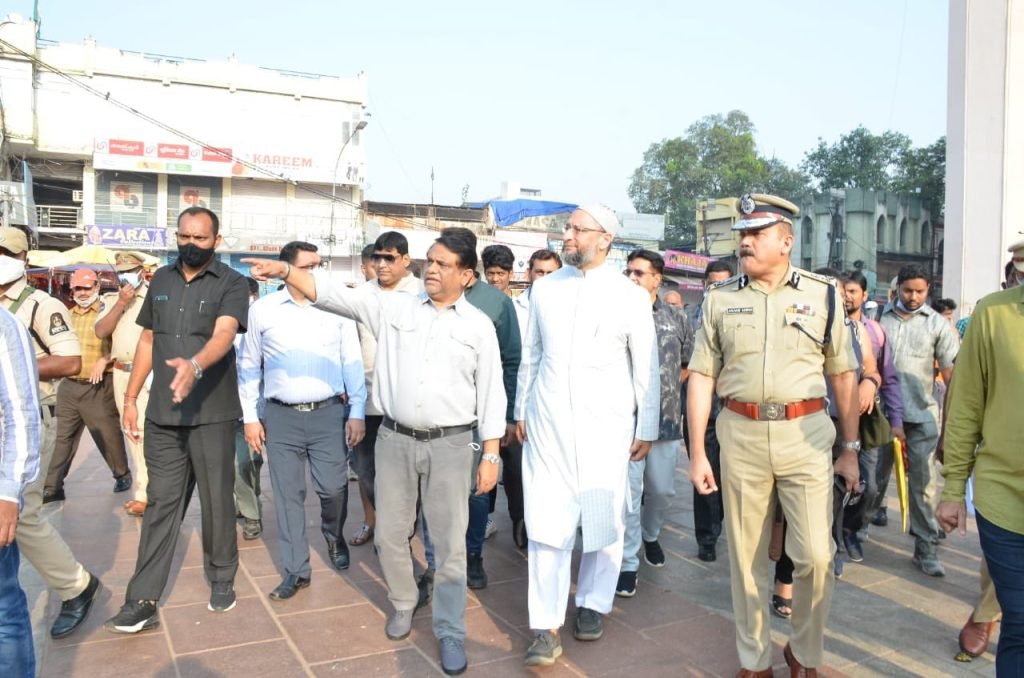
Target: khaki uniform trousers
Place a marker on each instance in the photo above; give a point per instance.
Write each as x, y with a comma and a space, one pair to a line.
790, 460
38, 541
140, 477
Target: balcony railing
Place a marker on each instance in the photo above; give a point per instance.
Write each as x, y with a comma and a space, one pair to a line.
51, 218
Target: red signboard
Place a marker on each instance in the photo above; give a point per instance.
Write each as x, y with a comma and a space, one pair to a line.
686, 261
176, 151
211, 154
121, 147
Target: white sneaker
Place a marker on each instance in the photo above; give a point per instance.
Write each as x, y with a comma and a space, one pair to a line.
490, 529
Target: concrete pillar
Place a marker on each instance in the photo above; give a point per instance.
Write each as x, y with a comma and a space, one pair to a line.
984, 145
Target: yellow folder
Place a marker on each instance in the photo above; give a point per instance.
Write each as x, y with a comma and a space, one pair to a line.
901, 484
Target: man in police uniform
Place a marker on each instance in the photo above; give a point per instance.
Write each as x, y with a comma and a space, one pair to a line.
767, 340
117, 321
58, 354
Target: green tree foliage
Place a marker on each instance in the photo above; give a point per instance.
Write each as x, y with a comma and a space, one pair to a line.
717, 157
924, 170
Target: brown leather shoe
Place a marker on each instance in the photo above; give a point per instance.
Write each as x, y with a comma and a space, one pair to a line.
747, 673
796, 669
974, 636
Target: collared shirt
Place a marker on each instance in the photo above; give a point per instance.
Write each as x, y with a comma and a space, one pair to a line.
983, 426
892, 396
498, 307
917, 342
182, 315
83, 322
674, 342
435, 367
769, 346
522, 304
19, 410
50, 326
302, 354
126, 334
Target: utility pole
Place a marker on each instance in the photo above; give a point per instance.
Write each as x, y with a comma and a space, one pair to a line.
431, 184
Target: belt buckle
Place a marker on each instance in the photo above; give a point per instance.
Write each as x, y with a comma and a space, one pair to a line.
771, 411
421, 434
304, 407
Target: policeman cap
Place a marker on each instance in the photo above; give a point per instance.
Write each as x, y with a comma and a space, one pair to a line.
126, 261
13, 239
758, 210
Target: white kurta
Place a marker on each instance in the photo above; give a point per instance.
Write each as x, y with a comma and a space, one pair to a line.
588, 384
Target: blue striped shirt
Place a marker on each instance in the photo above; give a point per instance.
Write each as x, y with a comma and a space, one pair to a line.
19, 409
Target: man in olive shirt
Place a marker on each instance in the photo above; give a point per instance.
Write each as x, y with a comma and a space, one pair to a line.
983, 434
768, 339
194, 308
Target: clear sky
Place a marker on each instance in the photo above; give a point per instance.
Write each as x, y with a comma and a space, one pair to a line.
562, 95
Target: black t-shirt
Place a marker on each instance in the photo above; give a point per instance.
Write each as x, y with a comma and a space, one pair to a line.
182, 316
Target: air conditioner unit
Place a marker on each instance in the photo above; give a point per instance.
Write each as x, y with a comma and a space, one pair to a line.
76, 196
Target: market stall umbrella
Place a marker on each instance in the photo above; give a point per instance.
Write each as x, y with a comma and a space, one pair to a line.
86, 254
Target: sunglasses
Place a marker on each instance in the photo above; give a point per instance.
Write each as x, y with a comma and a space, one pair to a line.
634, 273
389, 258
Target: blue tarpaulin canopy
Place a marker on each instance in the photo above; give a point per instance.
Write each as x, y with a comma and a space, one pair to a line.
508, 212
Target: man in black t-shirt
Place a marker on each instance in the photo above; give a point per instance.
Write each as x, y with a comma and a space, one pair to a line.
190, 317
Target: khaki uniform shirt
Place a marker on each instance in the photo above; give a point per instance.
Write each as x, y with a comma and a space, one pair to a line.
769, 347
48, 321
127, 332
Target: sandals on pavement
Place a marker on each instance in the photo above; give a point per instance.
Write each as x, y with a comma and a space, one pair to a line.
135, 507
782, 607
364, 535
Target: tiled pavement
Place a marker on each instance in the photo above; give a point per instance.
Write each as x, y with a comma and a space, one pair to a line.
887, 618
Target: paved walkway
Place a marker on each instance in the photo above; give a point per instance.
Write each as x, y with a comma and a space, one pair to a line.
887, 618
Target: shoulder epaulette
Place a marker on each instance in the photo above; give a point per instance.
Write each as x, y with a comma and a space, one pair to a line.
825, 279
739, 280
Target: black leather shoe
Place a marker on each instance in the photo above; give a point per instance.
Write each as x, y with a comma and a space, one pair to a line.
52, 495
73, 612
289, 587
706, 552
519, 534
124, 483
338, 554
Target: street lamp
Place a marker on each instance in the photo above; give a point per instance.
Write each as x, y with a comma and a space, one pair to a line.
334, 188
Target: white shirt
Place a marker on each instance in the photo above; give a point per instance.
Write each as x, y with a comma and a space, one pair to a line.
522, 305
434, 367
303, 354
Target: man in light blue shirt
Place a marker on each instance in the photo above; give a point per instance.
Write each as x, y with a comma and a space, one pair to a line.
311, 366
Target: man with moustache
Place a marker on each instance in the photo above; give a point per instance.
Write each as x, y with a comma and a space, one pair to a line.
920, 337
587, 405
542, 262
189, 319
768, 340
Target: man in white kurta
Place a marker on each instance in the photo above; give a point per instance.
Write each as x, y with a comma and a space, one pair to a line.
587, 403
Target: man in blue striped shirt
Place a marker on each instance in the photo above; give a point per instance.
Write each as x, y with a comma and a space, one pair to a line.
19, 465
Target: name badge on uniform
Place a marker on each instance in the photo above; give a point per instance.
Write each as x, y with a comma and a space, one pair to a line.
160, 297
801, 309
738, 310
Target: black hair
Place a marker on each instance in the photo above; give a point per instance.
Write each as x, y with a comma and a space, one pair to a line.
367, 253
290, 252
657, 263
911, 272
462, 243
498, 255
941, 305
718, 266
545, 255
195, 211
391, 240
857, 278
1008, 270
254, 287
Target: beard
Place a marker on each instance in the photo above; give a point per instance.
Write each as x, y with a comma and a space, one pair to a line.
580, 257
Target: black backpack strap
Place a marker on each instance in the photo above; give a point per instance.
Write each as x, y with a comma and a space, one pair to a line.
831, 316
32, 330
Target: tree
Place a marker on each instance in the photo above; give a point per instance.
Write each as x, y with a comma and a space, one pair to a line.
718, 157
923, 170
859, 159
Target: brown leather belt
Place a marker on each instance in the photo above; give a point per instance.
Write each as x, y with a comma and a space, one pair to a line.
124, 367
775, 411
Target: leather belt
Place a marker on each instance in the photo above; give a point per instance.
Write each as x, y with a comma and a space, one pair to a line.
307, 407
425, 434
775, 411
124, 367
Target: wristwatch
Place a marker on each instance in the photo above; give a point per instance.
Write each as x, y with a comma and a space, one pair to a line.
492, 458
852, 445
197, 368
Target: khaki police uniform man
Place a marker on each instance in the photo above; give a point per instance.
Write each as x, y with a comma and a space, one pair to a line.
58, 354
768, 338
117, 321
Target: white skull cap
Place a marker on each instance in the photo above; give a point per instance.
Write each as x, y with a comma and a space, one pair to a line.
603, 215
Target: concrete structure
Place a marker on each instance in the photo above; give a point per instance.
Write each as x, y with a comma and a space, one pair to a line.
265, 149
984, 144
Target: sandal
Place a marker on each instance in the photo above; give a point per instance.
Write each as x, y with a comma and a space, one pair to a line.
364, 535
782, 607
135, 507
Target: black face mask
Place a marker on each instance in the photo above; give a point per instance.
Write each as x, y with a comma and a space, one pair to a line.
194, 256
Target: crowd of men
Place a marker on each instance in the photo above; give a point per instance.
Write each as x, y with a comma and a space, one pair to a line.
787, 394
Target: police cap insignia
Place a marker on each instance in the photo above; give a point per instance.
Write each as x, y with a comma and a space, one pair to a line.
747, 204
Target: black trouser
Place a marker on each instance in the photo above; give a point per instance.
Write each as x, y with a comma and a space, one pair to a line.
293, 439
707, 508
82, 405
174, 455
512, 477
366, 457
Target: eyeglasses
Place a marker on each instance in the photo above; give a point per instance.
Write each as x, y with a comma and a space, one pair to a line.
576, 230
389, 258
634, 272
